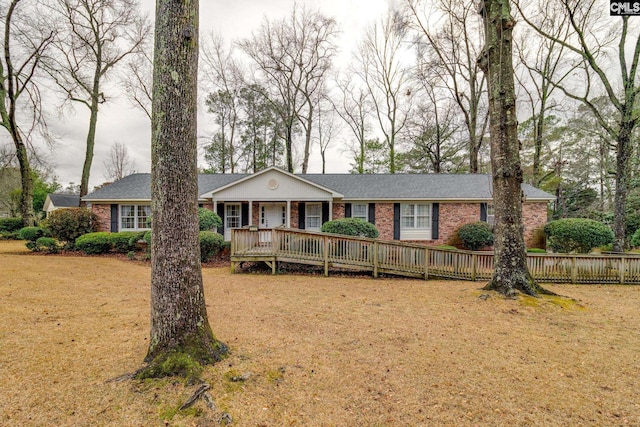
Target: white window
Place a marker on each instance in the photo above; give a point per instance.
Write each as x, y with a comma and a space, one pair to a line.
313, 216
134, 217
491, 215
232, 215
415, 221
360, 210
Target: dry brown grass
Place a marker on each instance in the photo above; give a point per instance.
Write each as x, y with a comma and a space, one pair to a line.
318, 351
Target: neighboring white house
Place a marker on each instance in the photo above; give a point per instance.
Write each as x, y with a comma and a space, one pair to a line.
60, 201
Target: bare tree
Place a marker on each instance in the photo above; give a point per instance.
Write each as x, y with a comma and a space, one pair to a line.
180, 328
24, 42
97, 36
386, 76
293, 57
510, 273
453, 44
119, 163
137, 80
600, 47
353, 108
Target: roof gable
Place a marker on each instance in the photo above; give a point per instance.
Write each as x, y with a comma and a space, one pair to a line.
272, 184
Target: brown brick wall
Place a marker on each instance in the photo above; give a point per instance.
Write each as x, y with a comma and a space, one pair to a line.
294, 214
384, 220
103, 212
534, 216
454, 215
338, 211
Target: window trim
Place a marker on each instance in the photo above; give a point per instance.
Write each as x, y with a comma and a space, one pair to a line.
227, 216
414, 232
366, 211
307, 216
136, 217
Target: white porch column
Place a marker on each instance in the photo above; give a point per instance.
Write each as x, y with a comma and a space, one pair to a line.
288, 221
215, 206
331, 210
250, 212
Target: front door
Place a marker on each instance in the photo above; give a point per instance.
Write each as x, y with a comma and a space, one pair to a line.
273, 215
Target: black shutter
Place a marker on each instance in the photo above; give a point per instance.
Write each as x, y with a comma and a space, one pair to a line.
435, 220
114, 218
396, 221
372, 213
347, 210
301, 215
483, 212
245, 214
220, 209
325, 212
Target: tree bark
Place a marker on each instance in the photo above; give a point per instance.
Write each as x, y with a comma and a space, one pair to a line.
180, 329
511, 273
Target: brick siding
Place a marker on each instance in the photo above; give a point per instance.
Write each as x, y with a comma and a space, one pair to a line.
103, 212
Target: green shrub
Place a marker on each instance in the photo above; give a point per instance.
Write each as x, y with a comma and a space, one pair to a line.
351, 227
31, 233
47, 244
147, 238
124, 241
10, 225
208, 220
476, 235
635, 239
577, 235
94, 243
68, 224
536, 251
9, 235
210, 244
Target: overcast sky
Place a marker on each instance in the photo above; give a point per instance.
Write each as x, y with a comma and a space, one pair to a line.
120, 122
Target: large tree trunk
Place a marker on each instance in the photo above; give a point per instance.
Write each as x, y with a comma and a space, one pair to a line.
91, 138
510, 267
26, 180
180, 329
623, 157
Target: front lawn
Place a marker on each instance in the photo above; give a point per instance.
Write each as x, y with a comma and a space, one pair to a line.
315, 351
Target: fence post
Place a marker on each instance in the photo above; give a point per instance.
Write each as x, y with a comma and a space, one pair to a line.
574, 270
474, 265
325, 242
426, 263
622, 268
375, 259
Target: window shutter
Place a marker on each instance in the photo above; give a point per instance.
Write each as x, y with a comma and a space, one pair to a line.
347, 210
325, 212
245, 214
301, 215
114, 218
220, 209
483, 212
396, 221
372, 213
435, 220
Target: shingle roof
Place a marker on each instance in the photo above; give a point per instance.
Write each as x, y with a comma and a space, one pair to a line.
352, 186
65, 200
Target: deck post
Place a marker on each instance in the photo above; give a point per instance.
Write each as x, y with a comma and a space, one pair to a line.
574, 270
325, 252
474, 266
621, 268
375, 259
426, 263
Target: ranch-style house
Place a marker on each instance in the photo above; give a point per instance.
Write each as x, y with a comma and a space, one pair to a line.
425, 208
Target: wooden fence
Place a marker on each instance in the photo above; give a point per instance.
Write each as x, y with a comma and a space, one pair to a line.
414, 260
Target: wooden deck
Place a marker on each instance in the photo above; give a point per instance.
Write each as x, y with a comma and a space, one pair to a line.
413, 260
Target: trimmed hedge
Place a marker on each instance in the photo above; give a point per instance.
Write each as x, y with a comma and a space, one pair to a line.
578, 235
94, 243
208, 220
68, 224
125, 241
351, 227
635, 239
476, 235
47, 244
32, 233
210, 244
10, 225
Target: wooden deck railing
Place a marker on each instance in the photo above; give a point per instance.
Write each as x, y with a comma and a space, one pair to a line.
407, 259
